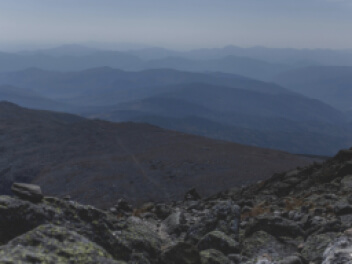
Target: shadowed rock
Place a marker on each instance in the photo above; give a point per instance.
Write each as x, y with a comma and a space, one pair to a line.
27, 191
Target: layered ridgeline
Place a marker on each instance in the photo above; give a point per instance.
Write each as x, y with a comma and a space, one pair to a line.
301, 216
217, 105
328, 84
98, 162
77, 58
257, 62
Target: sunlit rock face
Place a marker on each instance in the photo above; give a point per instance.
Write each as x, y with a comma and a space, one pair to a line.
340, 250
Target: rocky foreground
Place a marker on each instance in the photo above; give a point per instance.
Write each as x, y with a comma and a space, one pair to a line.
302, 216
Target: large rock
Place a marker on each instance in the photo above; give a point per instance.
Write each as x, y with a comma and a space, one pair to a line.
27, 191
213, 256
192, 195
224, 217
276, 226
346, 183
343, 209
174, 223
339, 250
315, 246
181, 253
261, 243
218, 240
53, 244
119, 238
346, 169
291, 260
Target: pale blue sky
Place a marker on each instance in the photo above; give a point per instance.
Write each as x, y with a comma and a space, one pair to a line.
181, 24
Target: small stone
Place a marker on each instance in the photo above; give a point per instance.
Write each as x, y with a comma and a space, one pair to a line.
67, 197
319, 211
123, 205
246, 209
348, 232
113, 210
27, 191
192, 195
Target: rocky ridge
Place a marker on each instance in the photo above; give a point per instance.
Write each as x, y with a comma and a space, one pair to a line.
301, 216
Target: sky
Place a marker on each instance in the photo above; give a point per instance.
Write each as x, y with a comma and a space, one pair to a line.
181, 24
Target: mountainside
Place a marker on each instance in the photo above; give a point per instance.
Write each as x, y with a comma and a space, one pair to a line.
300, 216
98, 162
305, 138
332, 85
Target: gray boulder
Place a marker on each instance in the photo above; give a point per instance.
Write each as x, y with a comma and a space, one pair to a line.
339, 250
213, 256
27, 191
180, 253
223, 216
174, 223
218, 240
53, 244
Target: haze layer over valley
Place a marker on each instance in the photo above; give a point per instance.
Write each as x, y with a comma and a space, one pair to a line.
288, 99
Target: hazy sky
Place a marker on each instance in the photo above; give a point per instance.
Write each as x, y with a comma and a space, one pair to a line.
182, 24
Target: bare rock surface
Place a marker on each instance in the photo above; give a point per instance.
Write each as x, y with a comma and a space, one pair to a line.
297, 217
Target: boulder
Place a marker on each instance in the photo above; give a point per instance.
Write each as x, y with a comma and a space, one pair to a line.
343, 209
53, 244
291, 260
275, 225
346, 169
223, 216
213, 256
27, 191
315, 246
123, 206
346, 183
344, 155
260, 243
138, 258
174, 223
119, 239
339, 250
162, 211
181, 253
218, 240
192, 195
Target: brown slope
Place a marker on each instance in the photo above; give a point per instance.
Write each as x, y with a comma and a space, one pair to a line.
98, 162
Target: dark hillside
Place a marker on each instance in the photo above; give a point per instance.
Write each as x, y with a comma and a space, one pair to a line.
98, 162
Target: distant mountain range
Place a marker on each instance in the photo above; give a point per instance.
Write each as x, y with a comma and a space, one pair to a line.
208, 86
98, 162
257, 62
233, 107
104, 86
332, 85
287, 56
